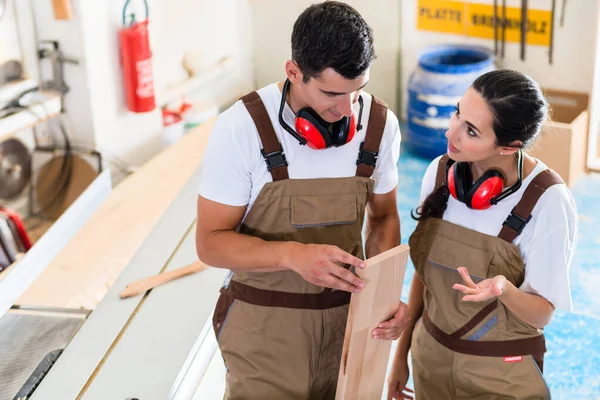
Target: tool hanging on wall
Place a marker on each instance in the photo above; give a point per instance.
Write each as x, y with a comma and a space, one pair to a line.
58, 60
10, 71
136, 60
523, 28
15, 168
495, 23
551, 45
503, 30
563, 10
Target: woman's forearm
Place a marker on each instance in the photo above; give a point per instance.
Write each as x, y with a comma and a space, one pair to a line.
533, 309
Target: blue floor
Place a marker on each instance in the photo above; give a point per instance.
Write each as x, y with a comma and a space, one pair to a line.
572, 363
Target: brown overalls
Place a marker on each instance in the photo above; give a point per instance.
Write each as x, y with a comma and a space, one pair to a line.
470, 350
280, 336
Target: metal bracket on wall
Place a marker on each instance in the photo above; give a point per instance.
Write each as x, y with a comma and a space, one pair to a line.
58, 60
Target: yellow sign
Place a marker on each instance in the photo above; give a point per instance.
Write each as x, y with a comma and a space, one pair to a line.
477, 20
442, 16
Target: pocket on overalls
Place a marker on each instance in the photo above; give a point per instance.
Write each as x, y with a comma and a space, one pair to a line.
323, 210
440, 272
514, 377
451, 254
222, 311
538, 363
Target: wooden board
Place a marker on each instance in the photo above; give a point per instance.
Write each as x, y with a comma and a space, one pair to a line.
364, 359
63, 9
81, 274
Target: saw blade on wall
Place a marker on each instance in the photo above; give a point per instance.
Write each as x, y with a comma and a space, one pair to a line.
15, 168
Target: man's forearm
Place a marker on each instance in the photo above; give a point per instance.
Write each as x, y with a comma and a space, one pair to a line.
382, 234
236, 251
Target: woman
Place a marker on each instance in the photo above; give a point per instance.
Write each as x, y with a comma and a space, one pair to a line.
492, 251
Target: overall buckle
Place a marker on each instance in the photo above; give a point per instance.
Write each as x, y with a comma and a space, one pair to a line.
275, 159
366, 156
516, 222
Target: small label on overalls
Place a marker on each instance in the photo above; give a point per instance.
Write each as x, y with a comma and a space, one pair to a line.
513, 359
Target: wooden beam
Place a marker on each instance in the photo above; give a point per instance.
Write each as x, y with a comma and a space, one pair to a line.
81, 274
364, 359
63, 9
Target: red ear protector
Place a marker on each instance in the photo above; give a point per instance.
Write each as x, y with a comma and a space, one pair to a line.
317, 133
486, 191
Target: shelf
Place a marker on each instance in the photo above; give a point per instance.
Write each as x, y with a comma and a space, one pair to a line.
204, 77
38, 112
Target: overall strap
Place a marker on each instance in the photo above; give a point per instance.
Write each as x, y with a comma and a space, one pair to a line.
369, 149
521, 214
272, 150
440, 178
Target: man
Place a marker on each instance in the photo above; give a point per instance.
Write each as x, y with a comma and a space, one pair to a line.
288, 173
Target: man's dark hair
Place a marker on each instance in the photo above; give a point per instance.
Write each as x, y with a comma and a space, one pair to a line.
332, 35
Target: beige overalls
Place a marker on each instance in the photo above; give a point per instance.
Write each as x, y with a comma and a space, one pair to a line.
280, 336
470, 350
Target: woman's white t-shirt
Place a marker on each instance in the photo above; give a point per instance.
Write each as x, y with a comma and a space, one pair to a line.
546, 243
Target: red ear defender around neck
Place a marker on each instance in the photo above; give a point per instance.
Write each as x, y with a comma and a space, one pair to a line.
484, 190
314, 131
321, 135
487, 191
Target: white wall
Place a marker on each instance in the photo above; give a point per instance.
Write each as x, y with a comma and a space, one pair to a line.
572, 67
96, 103
9, 43
273, 21
258, 34
71, 41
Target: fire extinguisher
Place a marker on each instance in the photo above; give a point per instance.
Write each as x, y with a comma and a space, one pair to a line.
136, 60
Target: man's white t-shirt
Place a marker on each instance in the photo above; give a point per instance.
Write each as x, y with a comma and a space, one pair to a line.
234, 170
546, 243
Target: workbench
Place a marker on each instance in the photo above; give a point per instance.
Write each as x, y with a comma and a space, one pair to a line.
158, 345
153, 346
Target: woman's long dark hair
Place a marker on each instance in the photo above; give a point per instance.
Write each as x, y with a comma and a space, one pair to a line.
519, 109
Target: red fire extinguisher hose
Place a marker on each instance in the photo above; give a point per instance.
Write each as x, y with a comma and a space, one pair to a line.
136, 60
133, 14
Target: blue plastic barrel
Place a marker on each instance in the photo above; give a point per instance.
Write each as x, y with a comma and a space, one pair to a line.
443, 75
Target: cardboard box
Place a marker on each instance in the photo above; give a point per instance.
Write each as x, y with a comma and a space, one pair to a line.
563, 142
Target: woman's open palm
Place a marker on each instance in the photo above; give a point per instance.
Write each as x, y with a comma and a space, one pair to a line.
482, 291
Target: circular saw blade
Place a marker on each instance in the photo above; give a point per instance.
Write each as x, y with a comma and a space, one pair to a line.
15, 168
